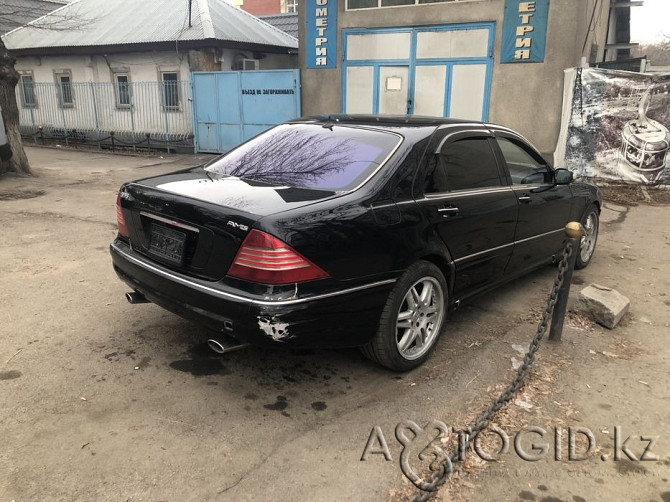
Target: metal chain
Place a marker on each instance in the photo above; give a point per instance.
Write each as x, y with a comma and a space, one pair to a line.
439, 476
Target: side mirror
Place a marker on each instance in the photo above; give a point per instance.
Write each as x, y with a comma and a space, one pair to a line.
563, 177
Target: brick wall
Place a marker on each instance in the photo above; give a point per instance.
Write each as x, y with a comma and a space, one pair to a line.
261, 7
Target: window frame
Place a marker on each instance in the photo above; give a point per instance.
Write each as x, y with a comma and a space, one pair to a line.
24, 88
164, 106
445, 137
288, 4
117, 90
526, 147
60, 94
415, 4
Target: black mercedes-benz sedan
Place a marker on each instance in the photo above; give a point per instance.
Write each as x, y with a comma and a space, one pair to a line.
339, 231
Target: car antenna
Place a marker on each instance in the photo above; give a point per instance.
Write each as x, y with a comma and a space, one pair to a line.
330, 122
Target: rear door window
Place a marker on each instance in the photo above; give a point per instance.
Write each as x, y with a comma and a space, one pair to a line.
470, 163
335, 158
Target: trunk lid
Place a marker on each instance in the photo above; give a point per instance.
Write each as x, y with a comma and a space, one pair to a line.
195, 221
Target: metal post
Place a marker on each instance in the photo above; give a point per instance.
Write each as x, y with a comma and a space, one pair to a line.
132, 113
61, 104
574, 232
165, 112
32, 116
95, 114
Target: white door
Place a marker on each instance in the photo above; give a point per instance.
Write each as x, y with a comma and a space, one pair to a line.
393, 92
430, 83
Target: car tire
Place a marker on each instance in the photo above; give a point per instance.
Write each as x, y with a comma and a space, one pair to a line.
412, 319
587, 245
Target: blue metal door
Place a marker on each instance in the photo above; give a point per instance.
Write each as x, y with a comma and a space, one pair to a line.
232, 106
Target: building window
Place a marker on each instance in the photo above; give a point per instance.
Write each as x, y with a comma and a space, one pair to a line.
170, 90
122, 82
28, 98
375, 4
64, 88
292, 6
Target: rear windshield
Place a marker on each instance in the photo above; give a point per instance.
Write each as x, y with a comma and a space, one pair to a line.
336, 158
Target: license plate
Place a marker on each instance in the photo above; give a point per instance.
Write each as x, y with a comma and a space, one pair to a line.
167, 244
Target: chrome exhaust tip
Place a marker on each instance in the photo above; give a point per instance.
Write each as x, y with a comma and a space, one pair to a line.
225, 345
134, 297
216, 346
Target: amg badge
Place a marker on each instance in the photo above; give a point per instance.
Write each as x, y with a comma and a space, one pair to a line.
238, 225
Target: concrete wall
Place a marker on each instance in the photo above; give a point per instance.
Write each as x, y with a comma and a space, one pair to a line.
143, 66
96, 107
524, 96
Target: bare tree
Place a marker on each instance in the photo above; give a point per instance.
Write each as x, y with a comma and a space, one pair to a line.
13, 17
658, 53
9, 77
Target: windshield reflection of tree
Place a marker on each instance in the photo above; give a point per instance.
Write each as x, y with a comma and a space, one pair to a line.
291, 158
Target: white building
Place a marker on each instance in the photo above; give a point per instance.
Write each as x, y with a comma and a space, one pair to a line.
123, 66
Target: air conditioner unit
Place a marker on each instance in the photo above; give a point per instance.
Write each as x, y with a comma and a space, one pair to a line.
250, 64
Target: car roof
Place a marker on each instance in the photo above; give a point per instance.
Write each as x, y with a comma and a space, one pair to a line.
390, 120
394, 121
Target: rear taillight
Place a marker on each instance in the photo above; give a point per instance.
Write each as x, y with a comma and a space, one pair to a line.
265, 259
123, 229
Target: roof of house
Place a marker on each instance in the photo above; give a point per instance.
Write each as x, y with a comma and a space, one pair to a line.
288, 23
109, 23
14, 13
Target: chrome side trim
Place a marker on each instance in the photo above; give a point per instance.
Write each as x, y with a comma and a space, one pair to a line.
231, 296
464, 193
169, 222
483, 252
507, 245
539, 235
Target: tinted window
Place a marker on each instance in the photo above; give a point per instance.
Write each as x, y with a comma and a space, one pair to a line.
523, 167
309, 156
470, 163
436, 176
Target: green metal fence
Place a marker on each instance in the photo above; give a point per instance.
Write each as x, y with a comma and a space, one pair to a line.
136, 114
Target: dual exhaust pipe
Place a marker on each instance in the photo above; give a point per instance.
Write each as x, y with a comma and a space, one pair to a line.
220, 345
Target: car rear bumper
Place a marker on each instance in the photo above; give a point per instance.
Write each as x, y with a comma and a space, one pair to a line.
343, 318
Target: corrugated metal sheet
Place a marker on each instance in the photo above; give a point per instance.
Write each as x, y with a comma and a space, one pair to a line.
288, 23
87, 23
15, 13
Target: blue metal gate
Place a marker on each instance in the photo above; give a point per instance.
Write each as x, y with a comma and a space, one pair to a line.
232, 106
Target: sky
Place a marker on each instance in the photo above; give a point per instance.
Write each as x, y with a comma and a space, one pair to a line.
649, 22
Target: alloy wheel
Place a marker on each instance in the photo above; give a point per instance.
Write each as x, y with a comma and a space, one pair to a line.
588, 242
420, 318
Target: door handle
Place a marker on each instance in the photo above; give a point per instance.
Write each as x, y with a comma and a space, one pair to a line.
448, 211
525, 198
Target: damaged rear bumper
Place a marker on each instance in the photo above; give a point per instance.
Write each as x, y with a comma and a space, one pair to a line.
343, 318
